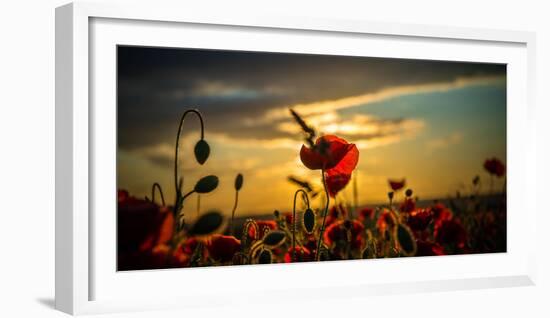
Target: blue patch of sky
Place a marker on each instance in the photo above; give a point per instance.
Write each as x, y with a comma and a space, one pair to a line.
478, 112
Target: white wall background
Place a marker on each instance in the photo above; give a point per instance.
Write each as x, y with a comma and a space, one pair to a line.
27, 158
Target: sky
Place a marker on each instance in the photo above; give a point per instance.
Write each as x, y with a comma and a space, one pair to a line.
431, 122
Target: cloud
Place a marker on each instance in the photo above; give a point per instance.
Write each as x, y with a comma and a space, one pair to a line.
330, 106
246, 94
221, 90
444, 142
358, 126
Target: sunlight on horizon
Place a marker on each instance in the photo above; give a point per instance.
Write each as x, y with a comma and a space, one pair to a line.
438, 148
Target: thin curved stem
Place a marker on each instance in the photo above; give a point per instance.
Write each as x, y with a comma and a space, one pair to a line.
322, 230
157, 186
187, 194
196, 112
233, 212
198, 204
294, 221
179, 181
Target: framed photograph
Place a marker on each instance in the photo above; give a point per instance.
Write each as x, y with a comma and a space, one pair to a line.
244, 158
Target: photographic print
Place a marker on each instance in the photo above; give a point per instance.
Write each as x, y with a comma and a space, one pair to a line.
238, 158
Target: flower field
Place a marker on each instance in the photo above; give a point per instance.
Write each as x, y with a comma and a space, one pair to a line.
154, 234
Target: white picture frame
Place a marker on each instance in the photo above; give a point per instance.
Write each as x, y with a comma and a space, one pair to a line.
81, 45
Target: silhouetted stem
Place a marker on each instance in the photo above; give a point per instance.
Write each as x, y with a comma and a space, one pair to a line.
187, 194
294, 221
177, 182
233, 211
198, 204
322, 230
355, 195
157, 186
177, 220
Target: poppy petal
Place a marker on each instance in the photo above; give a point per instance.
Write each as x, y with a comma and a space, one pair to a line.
336, 181
311, 158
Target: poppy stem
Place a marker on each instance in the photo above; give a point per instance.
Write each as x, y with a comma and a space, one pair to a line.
492, 191
198, 204
186, 195
178, 222
233, 212
355, 195
176, 179
294, 220
155, 187
322, 230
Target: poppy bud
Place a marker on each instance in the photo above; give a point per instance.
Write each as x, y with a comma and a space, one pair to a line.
406, 240
274, 238
239, 182
208, 223
309, 221
206, 184
265, 257
202, 151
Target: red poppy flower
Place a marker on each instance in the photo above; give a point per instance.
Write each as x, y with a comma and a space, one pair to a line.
386, 221
336, 212
337, 232
396, 185
366, 214
408, 205
288, 218
330, 152
122, 195
420, 219
335, 156
441, 212
184, 251
222, 247
450, 233
158, 257
141, 224
263, 226
426, 248
302, 255
495, 167
188, 246
336, 182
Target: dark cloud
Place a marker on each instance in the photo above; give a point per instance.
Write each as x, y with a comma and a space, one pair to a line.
155, 85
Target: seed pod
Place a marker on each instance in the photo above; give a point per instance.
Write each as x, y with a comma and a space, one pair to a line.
202, 151
206, 184
209, 223
239, 182
406, 240
273, 239
309, 221
265, 257
409, 192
